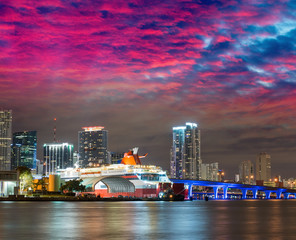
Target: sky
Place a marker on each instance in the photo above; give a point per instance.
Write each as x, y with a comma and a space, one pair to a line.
140, 67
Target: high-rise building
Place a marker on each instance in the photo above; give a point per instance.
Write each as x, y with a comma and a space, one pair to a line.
93, 146
209, 171
76, 162
185, 152
116, 157
5, 139
57, 156
246, 172
39, 167
263, 167
24, 148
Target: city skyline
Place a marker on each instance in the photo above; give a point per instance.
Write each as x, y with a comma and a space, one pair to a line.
99, 135
140, 68
185, 150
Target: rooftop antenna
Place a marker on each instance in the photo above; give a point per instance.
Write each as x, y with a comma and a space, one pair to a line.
54, 130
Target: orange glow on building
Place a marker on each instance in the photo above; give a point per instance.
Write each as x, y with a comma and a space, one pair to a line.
95, 128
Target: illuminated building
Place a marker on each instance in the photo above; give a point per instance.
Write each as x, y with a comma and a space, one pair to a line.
221, 175
9, 181
263, 167
289, 183
92, 146
116, 157
185, 152
246, 172
57, 156
5, 139
24, 148
76, 161
278, 181
39, 167
209, 171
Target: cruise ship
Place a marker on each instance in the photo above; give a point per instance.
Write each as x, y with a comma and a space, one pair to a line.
128, 179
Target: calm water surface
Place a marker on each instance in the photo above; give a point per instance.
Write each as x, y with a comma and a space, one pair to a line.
250, 219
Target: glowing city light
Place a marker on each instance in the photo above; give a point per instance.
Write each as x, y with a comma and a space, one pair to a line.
90, 129
191, 124
179, 128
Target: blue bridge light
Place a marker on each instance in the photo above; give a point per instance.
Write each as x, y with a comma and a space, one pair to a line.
244, 188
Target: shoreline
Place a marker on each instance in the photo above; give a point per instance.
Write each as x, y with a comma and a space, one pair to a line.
67, 199
76, 199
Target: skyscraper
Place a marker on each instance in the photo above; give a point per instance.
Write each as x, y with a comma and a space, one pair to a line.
24, 148
5, 139
263, 167
209, 171
246, 172
57, 156
185, 152
92, 146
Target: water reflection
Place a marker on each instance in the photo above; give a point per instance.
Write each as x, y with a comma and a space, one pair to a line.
252, 219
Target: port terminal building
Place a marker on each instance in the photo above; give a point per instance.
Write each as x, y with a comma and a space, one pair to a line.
9, 183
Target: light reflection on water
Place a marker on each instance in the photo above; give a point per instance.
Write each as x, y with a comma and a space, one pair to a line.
252, 219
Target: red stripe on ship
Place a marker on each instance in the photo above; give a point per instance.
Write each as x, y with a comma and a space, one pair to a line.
90, 173
133, 176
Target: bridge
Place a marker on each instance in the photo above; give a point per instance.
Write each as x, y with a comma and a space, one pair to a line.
244, 188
